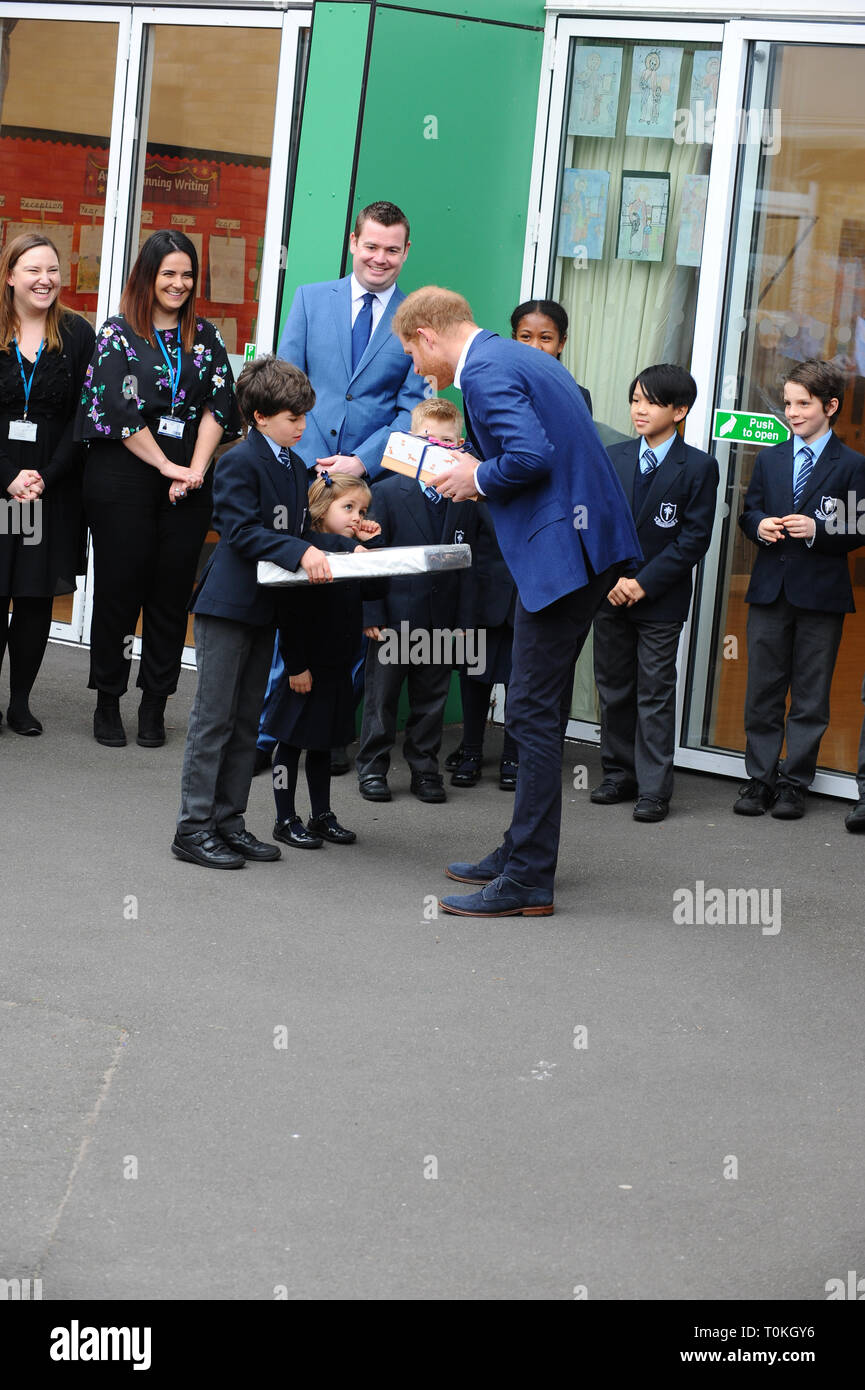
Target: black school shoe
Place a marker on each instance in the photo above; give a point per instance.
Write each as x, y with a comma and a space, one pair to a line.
208, 849
468, 774
651, 808
855, 819
244, 842
789, 802
24, 722
327, 827
610, 793
108, 726
508, 775
374, 789
428, 786
151, 721
755, 798
294, 832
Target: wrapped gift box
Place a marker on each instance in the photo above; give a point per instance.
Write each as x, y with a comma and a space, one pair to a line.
416, 457
375, 564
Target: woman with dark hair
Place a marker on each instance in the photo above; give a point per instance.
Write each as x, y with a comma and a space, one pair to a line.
158, 398
44, 350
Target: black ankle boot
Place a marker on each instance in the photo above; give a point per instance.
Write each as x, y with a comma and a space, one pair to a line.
107, 724
151, 725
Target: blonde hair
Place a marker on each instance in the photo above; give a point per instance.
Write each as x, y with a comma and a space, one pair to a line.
436, 408
9, 325
431, 307
324, 491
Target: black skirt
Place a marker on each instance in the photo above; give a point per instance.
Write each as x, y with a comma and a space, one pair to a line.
322, 719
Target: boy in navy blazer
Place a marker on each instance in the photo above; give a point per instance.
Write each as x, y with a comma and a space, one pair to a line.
410, 514
799, 591
672, 489
260, 512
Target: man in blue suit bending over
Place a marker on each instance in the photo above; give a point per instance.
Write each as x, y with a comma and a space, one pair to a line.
339, 333
565, 530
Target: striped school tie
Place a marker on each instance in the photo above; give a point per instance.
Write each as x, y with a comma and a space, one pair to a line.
648, 463
803, 473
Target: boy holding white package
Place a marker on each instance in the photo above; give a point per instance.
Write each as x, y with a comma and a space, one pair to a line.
422, 612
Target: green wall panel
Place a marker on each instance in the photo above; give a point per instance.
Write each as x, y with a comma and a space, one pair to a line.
505, 11
327, 143
466, 192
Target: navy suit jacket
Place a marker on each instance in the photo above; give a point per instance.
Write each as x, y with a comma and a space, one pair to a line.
354, 411
553, 494
260, 512
674, 524
817, 578
443, 599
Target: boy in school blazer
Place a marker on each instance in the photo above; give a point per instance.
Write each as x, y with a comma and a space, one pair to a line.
423, 604
260, 512
799, 590
672, 488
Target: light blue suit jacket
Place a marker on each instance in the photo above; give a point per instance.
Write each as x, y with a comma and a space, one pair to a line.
354, 412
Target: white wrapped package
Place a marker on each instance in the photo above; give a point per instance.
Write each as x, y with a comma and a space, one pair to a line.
377, 564
414, 456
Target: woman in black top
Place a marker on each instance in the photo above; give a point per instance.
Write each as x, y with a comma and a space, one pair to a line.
44, 351
158, 398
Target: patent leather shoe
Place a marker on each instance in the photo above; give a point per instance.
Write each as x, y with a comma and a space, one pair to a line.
294, 832
327, 827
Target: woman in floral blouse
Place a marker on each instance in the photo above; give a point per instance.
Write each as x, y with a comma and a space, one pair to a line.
157, 400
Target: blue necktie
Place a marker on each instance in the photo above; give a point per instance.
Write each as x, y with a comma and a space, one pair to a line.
361, 330
803, 473
648, 463
285, 458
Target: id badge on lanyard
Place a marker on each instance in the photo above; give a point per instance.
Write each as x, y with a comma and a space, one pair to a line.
25, 429
170, 425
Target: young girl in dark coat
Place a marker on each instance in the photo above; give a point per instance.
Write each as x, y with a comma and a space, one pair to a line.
313, 707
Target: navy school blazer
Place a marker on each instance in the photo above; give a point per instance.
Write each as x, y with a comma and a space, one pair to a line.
674, 526
816, 578
260, 512
445, 599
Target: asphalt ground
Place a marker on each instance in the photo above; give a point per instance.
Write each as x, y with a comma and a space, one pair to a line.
297, 1080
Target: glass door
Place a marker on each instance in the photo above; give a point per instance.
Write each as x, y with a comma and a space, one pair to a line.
623, 241
62, 79
795, 290
206, 133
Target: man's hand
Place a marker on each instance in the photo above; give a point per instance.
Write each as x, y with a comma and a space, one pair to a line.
340, 463
625, 593
314, 564
802, 527
458, 482
302, 683
771, 529
373, 633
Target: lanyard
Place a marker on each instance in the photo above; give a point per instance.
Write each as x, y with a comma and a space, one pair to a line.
173, 375
27, 384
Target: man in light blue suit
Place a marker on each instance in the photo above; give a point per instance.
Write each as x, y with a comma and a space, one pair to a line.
339, 333
566, 532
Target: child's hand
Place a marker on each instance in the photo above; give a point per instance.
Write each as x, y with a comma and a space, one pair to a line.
771, 529
625, 593
360, 550
364, 527
302, 683
802, 527
314, 564
373, 633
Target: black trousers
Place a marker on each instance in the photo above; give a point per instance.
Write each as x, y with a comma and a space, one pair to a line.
145, 556
428, 688
860, 774
635, 672
793, 649
546, 647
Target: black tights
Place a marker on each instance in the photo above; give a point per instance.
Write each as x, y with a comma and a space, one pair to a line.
476, 702
286, 761
27, 637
